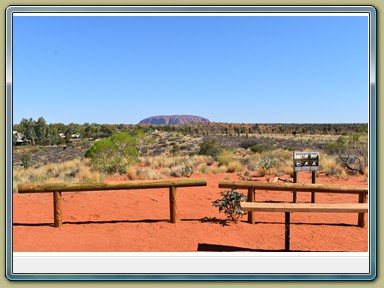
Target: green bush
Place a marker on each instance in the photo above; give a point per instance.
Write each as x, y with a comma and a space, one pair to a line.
230, 204
113, 154
257, 148
249, 143
337, 147
187, 171
210, 148
26, 159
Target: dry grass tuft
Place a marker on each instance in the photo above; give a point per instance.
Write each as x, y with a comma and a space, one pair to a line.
131, 173
234, 166
68, 172
225, 157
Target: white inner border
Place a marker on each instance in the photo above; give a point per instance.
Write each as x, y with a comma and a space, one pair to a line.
192, 262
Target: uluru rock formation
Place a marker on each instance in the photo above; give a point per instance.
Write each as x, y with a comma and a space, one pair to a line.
174, 119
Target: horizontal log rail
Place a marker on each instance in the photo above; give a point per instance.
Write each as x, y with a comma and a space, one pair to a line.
58, 188
302, 207
325, 188
119, 185
252, 186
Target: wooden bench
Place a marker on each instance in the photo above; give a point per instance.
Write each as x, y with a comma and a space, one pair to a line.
302, 207
57, 188
252, 186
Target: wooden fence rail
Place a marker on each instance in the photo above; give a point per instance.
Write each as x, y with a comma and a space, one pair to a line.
57, 188
252, 186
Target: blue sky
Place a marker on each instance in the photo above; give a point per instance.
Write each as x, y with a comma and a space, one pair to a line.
227, 69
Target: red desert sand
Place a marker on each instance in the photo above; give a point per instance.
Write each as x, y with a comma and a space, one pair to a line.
138, 221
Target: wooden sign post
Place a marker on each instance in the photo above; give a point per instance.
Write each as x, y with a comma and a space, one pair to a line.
305, 161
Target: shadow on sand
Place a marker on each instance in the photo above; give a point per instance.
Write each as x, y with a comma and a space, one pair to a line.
212, 220
204, 247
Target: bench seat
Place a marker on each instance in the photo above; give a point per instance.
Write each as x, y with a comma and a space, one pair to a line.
305, 207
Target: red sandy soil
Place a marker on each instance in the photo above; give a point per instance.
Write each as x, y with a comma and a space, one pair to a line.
138, 221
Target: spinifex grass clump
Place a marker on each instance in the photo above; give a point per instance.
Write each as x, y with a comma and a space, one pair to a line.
230, 204
68, 172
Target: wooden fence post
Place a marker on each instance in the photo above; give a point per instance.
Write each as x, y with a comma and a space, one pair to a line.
251, 198
172, 204
294, 192
313, 182
57, 208
361, 217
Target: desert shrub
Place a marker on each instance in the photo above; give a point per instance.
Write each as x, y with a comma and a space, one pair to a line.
266, 165
210, 148
352, 151
113, 154
204, 169
337, 147
249, 143
246, 176
187, 171
175, 149
355, 156
26, 159
230, 204
257, 148
181, 171
289, 148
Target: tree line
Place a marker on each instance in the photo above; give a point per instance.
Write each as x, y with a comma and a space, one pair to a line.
38, 132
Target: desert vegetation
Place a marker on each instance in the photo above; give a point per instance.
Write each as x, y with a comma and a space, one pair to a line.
38, 132
145, 152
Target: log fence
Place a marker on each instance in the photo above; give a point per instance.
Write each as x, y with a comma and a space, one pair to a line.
58, 188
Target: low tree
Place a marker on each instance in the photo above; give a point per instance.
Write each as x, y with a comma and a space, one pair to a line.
40, 131
142, 141
28, 129
113, 154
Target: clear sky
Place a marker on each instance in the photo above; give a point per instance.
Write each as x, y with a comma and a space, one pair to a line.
227, 69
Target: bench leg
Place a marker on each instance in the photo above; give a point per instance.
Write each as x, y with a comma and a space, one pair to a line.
287, 230
361, 217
